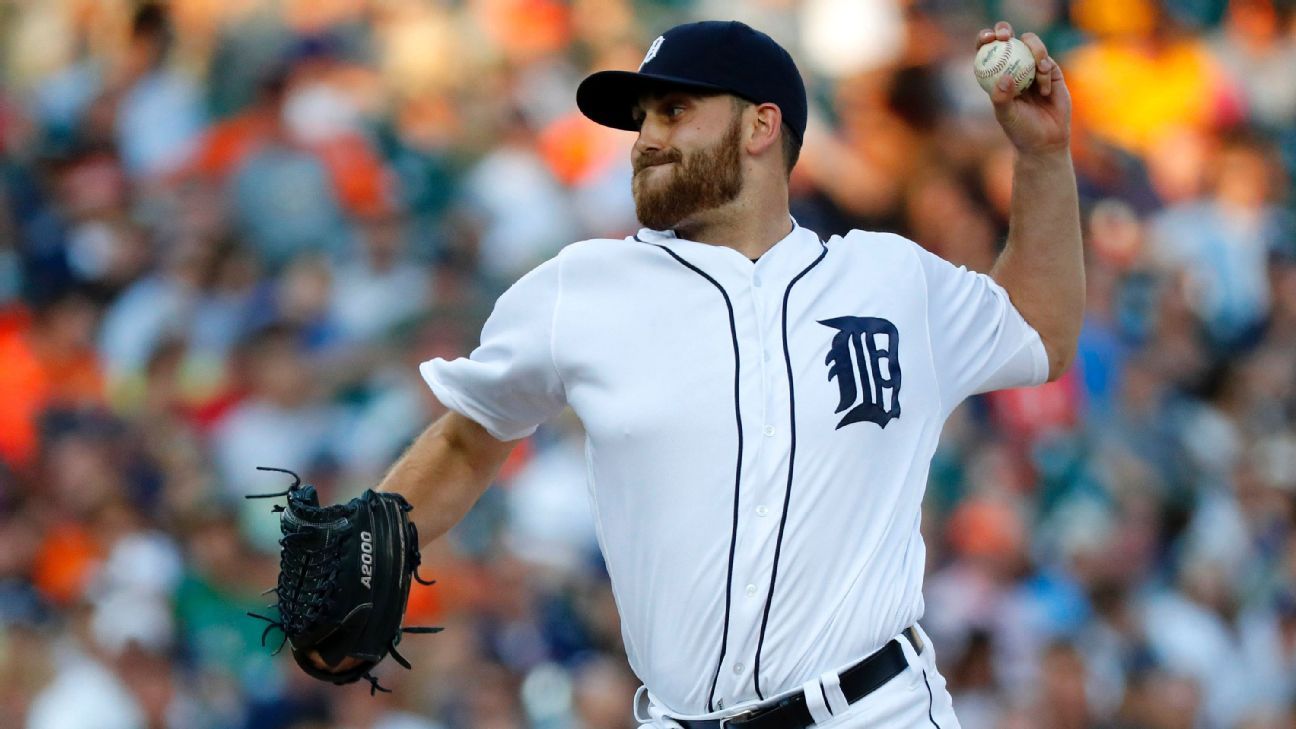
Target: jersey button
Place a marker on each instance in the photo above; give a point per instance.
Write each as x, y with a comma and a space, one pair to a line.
751, 591
756, 282
738, 668
769, 430
762, 510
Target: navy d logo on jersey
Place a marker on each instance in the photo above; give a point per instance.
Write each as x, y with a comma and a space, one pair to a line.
860, 346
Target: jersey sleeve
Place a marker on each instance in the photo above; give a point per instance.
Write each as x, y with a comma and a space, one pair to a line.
979, 340
509, 384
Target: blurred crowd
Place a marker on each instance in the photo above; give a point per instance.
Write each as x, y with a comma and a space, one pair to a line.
231, 229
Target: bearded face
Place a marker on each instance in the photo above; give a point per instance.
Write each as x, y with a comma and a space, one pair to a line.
670, 186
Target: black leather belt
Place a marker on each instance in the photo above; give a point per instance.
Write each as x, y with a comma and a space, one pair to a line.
858, 681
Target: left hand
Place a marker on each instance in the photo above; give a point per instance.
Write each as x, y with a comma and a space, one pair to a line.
1039, 120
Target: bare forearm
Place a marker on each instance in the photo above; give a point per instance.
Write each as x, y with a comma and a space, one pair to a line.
1042, 267
445, 471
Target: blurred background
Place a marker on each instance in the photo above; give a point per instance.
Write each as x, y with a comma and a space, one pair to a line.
230, 229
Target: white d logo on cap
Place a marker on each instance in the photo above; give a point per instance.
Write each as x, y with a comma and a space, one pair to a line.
652, 51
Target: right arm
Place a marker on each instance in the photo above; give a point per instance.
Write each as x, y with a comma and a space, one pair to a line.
507, 388
443, 473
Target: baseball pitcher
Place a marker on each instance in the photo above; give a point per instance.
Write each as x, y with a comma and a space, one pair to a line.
761, 404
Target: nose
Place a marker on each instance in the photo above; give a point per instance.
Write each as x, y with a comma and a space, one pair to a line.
651, 138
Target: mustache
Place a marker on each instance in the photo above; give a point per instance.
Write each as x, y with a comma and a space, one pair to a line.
651, 159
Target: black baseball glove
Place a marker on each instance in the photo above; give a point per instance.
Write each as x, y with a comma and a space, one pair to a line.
344, 579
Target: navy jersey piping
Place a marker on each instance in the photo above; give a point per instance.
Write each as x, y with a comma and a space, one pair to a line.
733, 532
787, 495
930, 700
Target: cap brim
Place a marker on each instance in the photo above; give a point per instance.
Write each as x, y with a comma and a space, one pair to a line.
609, 97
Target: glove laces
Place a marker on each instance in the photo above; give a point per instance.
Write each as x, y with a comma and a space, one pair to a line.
300, 565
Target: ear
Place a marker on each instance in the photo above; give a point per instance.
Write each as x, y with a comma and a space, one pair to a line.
765, 128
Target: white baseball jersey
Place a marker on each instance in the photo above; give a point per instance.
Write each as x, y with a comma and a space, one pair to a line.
758, 436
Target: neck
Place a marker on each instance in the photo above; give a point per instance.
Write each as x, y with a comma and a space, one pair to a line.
751, 224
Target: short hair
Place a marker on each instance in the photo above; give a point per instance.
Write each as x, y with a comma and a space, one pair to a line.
789, 141
791, 150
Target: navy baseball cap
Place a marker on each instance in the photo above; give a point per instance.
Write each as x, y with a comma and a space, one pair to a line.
710, 56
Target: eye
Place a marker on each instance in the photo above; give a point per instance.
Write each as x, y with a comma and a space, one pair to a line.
675, 110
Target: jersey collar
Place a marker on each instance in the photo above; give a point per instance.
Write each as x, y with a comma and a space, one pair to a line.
784, 259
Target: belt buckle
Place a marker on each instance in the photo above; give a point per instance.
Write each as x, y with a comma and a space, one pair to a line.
759, 711
738, 718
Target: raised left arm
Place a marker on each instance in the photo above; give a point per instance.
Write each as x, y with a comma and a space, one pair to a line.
1042, 266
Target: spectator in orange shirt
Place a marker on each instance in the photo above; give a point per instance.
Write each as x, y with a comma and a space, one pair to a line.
354, 169
228, 142
49, 362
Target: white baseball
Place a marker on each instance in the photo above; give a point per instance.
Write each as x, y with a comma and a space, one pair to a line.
998, 58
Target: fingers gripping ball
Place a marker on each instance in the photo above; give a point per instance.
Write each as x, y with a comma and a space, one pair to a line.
999, 58
345, 573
